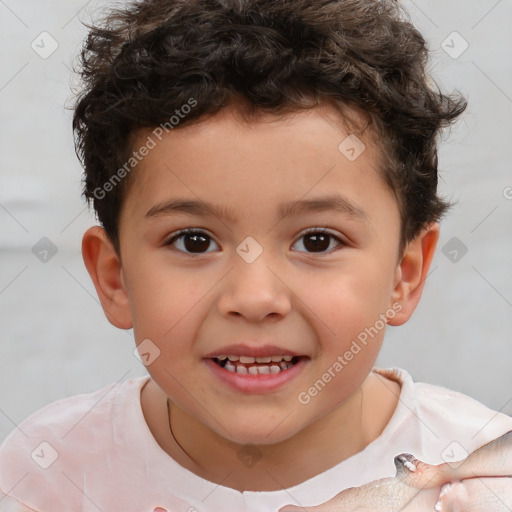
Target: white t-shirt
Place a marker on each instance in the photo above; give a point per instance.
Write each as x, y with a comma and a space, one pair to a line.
95, 452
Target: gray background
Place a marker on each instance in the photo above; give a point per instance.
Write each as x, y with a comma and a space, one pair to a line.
55, 340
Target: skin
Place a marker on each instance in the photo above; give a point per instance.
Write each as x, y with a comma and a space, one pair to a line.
466, 487
314, 304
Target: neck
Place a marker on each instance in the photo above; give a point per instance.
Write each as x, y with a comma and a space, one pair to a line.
328, 441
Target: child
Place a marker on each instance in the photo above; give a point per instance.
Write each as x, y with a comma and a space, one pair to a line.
294, 143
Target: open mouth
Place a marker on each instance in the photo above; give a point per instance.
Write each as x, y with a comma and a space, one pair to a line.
246, 365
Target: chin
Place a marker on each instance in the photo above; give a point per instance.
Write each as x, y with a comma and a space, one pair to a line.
257, 440
262, 434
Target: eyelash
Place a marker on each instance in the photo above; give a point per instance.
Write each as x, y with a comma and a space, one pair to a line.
180, 234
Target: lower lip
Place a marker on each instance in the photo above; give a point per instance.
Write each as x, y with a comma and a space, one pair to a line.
247, 383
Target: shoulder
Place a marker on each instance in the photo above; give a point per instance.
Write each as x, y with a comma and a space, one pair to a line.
447, 404
56, 436
449, 422
452, 411
63, 417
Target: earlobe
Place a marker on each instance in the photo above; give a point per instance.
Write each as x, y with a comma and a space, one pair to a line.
412, 273
104, 267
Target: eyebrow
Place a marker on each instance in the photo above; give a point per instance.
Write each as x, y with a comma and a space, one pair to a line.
333, 202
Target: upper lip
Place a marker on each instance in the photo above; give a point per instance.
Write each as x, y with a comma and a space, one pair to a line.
252, 351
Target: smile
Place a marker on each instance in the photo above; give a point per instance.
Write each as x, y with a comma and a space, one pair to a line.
255, 375
266, 365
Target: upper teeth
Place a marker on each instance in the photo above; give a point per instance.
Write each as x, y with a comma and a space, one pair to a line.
249, 359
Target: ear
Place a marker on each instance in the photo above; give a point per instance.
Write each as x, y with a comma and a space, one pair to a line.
104, 267
412, 272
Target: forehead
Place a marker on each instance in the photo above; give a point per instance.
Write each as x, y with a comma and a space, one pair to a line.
254, 163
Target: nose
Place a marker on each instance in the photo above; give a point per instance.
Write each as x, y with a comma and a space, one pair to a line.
254, 291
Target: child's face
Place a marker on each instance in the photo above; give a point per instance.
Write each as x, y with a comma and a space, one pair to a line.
305, 296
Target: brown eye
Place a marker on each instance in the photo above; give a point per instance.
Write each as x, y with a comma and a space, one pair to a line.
192, 242
319, 241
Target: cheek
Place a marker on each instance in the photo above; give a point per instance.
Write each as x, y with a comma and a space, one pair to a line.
349, 309
350, 301
165, 301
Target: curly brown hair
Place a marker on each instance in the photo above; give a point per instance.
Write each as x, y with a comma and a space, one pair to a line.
143, 62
